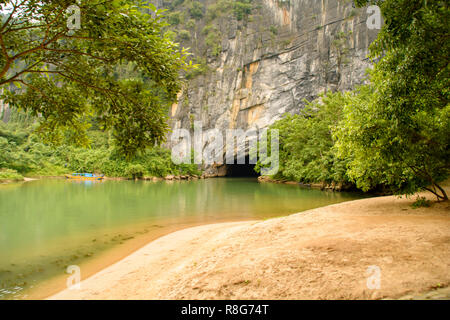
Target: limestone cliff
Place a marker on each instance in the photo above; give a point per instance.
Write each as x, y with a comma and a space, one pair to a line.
269, 62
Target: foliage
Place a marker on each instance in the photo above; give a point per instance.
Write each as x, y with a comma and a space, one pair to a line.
196, 10
242, 9
65, 75
213, 42
239, 8
24, 152
202, 68
273, 30
184, 35
340, 47
135, 171
218, 9
190, 24
175, 18
176, 3
397, 130
10, 175
421, 202
206, 22
307, 151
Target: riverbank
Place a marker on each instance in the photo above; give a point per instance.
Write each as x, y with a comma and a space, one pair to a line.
323, 253
321, 186
145, 178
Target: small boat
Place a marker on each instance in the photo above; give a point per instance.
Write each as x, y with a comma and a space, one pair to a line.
85, 176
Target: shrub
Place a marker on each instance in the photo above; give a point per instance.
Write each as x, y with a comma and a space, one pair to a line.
213, 42
196, 10
175, 18
190, 24
307, 152
135, 171
421, 202
242, 9
202, 68
184, 35
10, 175
273, 30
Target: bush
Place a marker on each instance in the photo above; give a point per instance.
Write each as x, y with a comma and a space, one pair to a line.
219, 8
421, 202
208, 28
10, 175
202, 68
242, 9
176, 3
307, 152
213, 42
184, 35
135, 171
273, 30
196, 10
175, 18
190, 24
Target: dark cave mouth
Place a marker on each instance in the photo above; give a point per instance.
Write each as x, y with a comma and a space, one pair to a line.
241, 170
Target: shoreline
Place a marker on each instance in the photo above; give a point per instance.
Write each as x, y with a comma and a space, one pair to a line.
145, 178
111, 256
92, 261
317, 254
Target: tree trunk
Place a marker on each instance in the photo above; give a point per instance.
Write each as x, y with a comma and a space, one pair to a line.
440, 197
444, 194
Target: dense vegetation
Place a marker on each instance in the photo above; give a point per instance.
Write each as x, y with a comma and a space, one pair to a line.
398, 131
394, 132
24, 153
307, 150
107, 114
59, 61
94, 98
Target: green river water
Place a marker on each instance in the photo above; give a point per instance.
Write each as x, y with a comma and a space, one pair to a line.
48, 224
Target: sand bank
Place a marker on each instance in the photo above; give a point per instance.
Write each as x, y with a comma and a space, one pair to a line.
323, 253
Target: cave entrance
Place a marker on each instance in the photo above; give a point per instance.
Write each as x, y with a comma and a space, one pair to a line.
242, 170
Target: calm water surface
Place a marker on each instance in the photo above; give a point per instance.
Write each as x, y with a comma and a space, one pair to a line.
47, 225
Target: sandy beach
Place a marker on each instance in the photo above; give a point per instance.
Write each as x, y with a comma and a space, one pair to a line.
325, 253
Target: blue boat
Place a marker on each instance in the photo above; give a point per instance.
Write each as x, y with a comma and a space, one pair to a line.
84, 176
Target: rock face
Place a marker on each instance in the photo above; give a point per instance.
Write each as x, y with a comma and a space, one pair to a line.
285, 52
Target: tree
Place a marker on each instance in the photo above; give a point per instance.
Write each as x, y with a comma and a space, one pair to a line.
398, 129
340, 46
196, 10
307, 151
67, 75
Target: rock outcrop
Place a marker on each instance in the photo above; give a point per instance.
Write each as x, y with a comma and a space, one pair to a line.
283, 53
